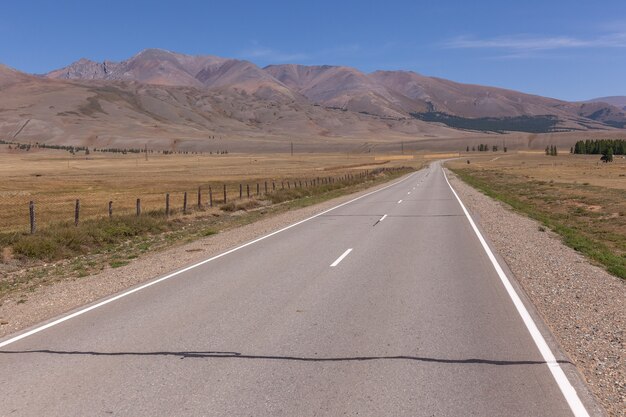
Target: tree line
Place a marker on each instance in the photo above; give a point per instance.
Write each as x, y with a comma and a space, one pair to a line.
74, 149
485, 148
601, 146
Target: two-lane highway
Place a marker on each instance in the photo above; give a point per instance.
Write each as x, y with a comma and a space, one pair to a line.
388, 305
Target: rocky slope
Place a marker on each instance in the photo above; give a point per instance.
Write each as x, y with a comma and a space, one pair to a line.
165, 97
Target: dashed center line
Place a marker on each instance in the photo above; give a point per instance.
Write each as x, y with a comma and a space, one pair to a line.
400, 201
341, 258
409, 192
383, 218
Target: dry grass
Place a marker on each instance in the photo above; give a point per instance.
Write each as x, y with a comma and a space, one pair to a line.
61, 250
54, 180
579, 197
565, 168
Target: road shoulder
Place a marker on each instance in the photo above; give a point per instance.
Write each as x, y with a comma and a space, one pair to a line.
581, 304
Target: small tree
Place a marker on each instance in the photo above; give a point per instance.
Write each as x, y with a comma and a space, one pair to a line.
607, 155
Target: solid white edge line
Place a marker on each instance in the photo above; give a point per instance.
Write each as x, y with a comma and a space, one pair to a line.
383, 218
570, 394
343, 255
173, 274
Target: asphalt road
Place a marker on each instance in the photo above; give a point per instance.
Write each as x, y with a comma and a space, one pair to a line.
385, 306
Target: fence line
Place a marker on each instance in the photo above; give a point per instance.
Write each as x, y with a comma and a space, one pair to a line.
41, 211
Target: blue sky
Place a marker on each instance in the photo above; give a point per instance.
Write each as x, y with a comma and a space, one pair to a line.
571, 49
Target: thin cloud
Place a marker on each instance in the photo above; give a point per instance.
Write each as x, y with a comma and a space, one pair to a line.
269, 54
528, 43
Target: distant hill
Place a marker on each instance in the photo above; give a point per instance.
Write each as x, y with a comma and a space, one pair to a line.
390, 94
170, 98
617, 101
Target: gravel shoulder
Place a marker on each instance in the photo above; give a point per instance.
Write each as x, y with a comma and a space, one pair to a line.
582, 304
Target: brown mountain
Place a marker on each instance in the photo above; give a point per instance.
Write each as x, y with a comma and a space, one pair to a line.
388, 94
403, 94
123, 114
475, 101
345, 88
160, 67
208, 102
9, 76
617, 101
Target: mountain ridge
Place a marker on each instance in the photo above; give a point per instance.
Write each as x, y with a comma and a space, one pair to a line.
167, 98
617, 101
395, 94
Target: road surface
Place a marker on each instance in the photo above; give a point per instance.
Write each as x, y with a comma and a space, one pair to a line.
388, 305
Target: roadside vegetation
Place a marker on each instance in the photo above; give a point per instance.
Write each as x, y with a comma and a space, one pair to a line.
577, 199
63, 250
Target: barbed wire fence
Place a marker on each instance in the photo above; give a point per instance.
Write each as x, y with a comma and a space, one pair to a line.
25, 212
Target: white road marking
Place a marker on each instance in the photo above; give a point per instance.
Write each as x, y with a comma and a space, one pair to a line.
173, 274
570, 394
409, 192
399, 201
343, 255
383, 218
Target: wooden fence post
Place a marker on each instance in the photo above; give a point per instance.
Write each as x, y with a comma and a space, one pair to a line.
33, 222
167, 204
224, 193
185, 203
110, 209
265, 187
240, 191
76, 212
210, 197
257, 189
288, 185
273, 186
199, 197
139, 207
248, 190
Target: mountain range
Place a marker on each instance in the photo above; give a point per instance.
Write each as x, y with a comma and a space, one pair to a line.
166, 97
617, 101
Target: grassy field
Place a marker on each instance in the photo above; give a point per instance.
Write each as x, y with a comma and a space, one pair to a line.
55, 179
577, 196
59, 250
